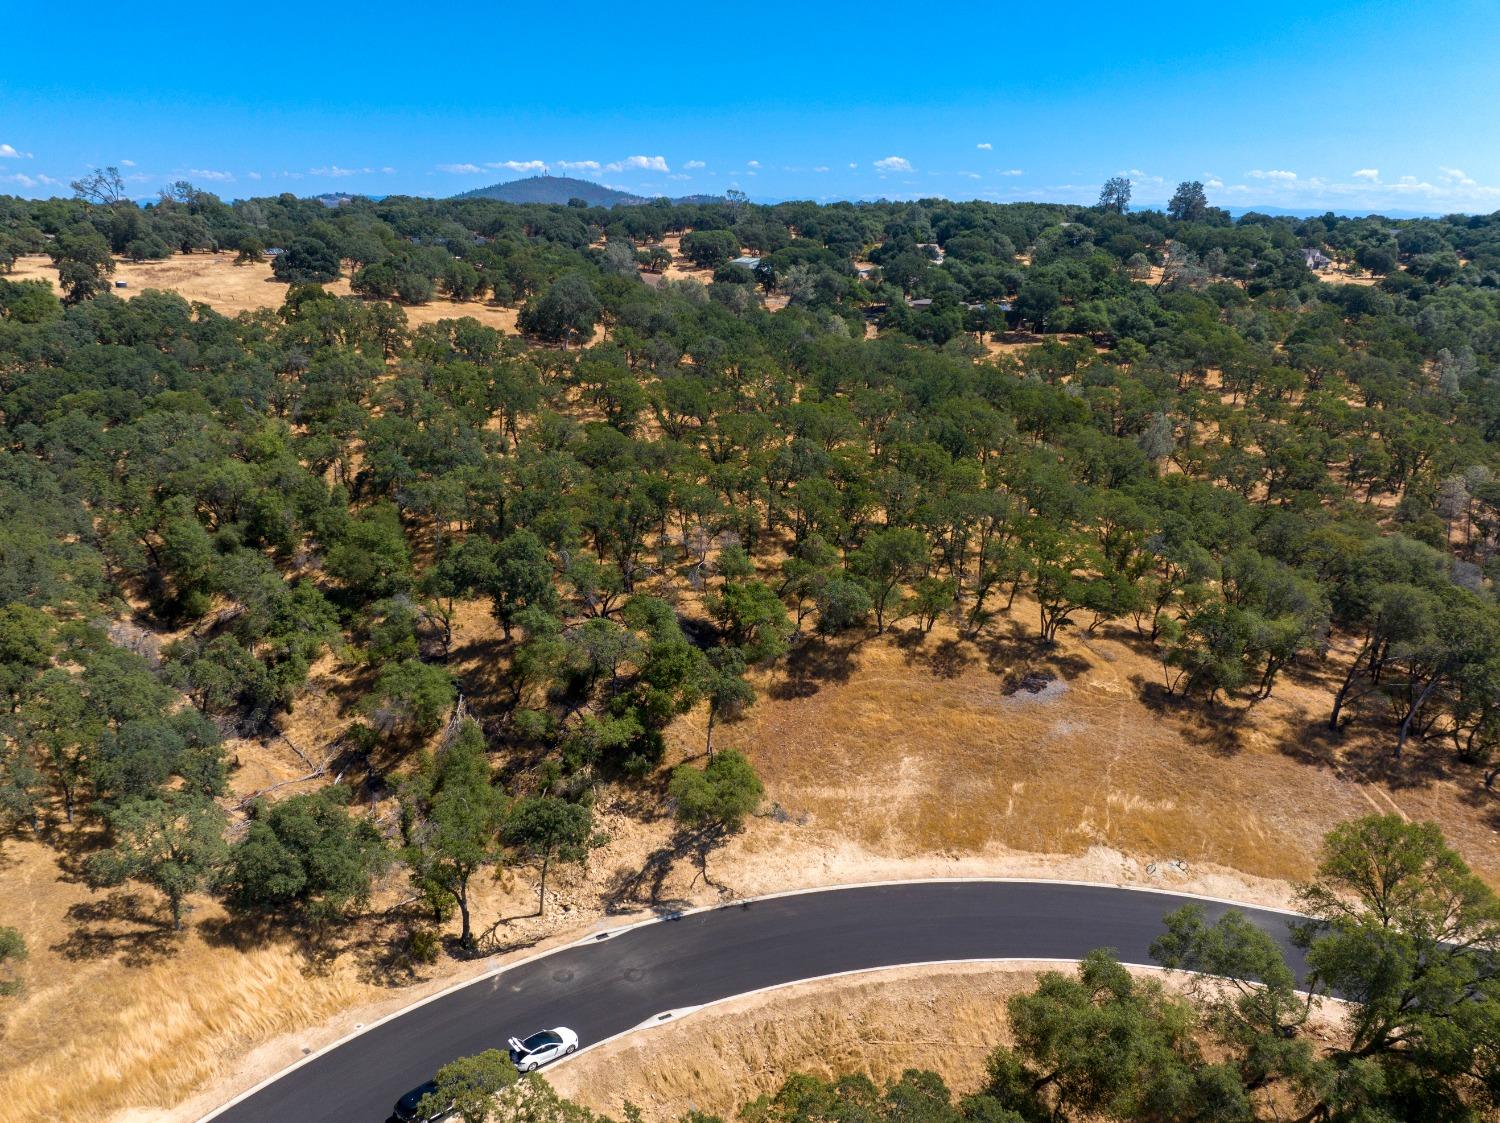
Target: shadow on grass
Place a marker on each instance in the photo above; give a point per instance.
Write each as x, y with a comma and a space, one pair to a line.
945, 658
1215, 725
810, 665
1367, 755
122, 924
1016, 653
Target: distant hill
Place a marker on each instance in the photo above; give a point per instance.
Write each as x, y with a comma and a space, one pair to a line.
560, 189
554, 189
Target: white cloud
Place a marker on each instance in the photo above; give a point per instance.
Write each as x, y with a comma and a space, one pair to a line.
639, 164
1013, 171
387, 171
752, 163
970, 175
853, 166
333, 171
461, 169
821, 168
986, 145
693, 165
1363, 191
25, 180
254, 175
7, 152
520, 165
578, 165
127, 163
894, 164
211, 174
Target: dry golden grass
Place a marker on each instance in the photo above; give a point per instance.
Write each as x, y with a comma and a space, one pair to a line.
119, 1012
946, 1019
681, 268
879, 1023
215, 280
1334, 275
908, 749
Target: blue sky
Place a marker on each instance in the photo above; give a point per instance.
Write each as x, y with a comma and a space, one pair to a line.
1364, 106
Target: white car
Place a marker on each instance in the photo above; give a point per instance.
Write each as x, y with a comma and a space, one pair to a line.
541, 1047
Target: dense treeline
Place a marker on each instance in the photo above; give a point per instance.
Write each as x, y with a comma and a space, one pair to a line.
663, 486
1400, 929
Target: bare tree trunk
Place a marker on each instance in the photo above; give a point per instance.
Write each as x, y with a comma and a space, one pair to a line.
1412, 713
1343, 692
466, 934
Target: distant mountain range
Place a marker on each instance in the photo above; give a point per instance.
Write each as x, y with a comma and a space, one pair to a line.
562, 189
1318, 212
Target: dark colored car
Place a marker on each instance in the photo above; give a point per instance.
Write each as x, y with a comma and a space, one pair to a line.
406, 1106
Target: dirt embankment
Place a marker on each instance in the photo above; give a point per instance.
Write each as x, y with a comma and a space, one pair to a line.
946, 1019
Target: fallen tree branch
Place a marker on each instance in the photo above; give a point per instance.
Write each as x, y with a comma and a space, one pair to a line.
307, 760
317, 771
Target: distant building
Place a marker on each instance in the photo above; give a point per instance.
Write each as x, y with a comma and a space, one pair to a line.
747, 261
275, 251
933, 250
920, 302
1316, 258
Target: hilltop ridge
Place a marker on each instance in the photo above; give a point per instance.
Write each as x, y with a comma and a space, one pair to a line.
554, 189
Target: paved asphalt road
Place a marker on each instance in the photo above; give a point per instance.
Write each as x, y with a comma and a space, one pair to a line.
610, 985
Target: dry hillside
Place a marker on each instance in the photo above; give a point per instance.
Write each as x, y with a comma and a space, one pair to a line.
901, 755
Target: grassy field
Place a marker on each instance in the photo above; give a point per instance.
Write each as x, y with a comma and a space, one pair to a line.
908, 747
217, 281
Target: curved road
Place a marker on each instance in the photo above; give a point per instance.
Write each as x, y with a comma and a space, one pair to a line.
619, 980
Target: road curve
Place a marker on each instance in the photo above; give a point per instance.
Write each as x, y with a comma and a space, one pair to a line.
610, 984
